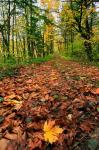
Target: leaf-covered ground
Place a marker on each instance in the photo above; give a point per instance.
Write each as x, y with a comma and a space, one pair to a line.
59, 90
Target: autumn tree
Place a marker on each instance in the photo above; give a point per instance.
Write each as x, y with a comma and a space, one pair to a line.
49, 28
83, 13
21, 29
66, 25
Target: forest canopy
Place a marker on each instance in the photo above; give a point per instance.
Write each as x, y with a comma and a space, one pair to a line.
31, 29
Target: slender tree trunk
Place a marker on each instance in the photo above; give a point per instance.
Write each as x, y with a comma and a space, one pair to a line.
72, 40
8, 32
3, 48
43, 46
65, 40
17, 47
13, 35
24, 48
27, 31
32, 49
88, 50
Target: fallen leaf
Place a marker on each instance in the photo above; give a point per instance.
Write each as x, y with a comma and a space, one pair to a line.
11, 136
35, 144
70, 117
29, 81
10, 97
12, 101
97, 91
3, 144
51, 132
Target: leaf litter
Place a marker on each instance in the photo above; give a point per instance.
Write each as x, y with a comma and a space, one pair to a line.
63, 91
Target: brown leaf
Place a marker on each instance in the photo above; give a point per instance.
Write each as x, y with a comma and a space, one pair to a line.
3, 144
86, 126
36, 143
11, 136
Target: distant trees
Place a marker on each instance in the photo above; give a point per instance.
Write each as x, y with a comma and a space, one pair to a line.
22, 29
66, 26
29, 29
49, 28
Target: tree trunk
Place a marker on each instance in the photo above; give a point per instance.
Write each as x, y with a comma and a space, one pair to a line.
43, 42
72, 40
13, 35
8, 32
24, 48
88, 50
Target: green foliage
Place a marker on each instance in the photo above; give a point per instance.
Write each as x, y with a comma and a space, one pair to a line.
8, 72
33, 32
1, 119
78, 17
28, 120
41, 59
92, 144
23, 36
56, 96
1, 99
98, 109
10, 67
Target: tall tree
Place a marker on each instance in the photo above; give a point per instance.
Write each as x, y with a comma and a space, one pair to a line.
83, 11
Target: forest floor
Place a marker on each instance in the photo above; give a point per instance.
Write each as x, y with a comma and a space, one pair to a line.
64, 91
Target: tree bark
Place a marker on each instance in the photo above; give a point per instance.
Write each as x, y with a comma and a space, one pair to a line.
8, 32
88, 50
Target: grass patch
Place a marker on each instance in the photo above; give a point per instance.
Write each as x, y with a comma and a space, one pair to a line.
81, 60
41, 60
12, 63
11, 66
8, 73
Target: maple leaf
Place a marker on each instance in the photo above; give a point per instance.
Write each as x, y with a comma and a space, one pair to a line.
97, 91
12, 96
51, 132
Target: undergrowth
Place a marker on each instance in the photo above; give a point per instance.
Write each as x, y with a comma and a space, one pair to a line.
10, 67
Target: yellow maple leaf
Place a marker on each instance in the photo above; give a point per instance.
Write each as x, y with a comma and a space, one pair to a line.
51, 132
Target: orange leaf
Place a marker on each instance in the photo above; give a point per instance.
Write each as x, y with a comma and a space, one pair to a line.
97, 91
10, 96
51, 132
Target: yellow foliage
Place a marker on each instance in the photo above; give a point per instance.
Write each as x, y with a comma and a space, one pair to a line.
50, 4
51, 132
66, 16
49, 33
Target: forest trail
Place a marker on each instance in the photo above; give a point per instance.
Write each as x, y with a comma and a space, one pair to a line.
64, 91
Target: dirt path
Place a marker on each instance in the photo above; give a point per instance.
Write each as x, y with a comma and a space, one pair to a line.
64, 91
